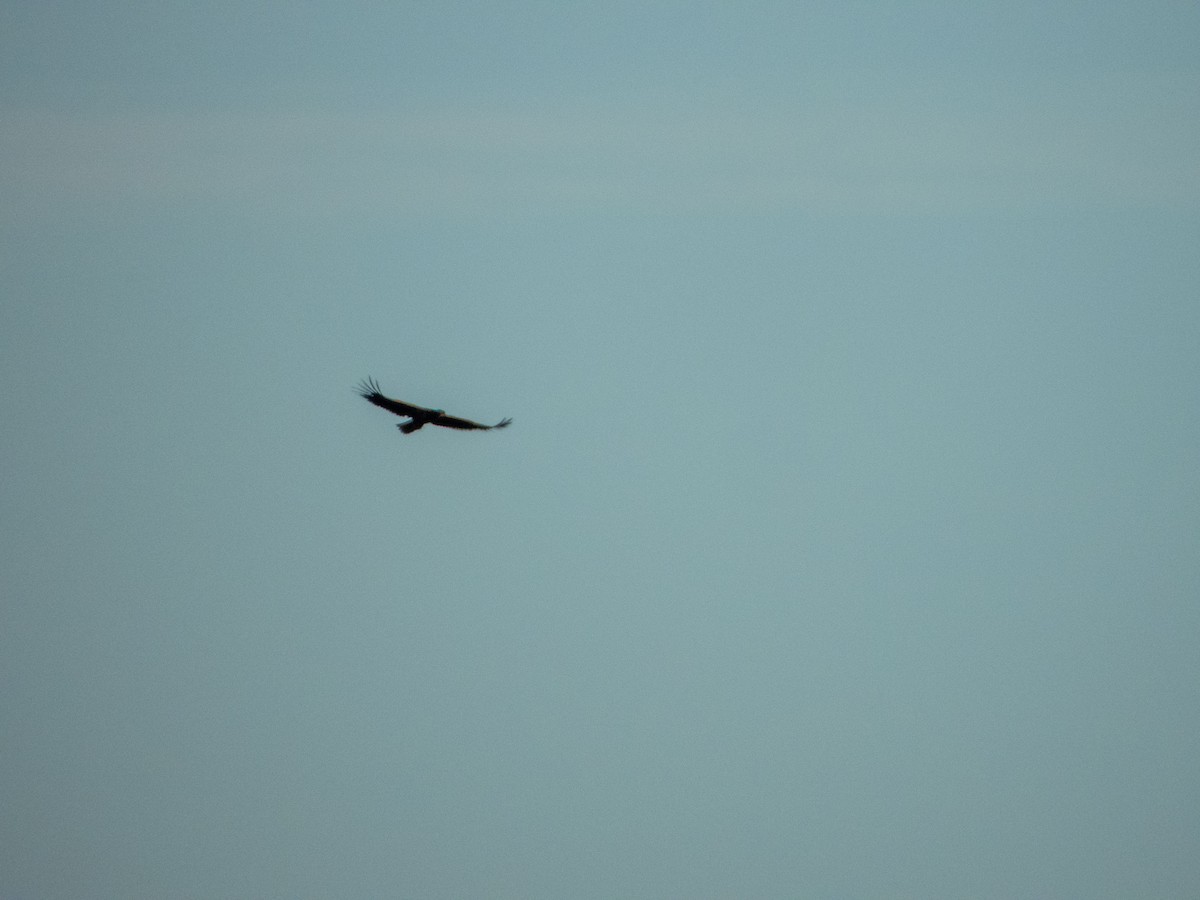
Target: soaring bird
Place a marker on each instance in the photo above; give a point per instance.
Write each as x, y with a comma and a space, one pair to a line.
419, 415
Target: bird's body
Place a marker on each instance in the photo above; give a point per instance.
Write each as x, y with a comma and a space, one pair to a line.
419, 416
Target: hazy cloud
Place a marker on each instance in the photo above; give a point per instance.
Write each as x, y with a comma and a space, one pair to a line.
851, 148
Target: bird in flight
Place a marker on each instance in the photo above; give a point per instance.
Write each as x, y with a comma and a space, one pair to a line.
419, 415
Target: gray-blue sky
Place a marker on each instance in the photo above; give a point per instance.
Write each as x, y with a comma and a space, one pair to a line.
846, 539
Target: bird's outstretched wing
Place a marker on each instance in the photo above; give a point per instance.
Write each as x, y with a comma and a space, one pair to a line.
369, 389
466, 424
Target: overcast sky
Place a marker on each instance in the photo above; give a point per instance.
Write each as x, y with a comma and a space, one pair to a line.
846, 541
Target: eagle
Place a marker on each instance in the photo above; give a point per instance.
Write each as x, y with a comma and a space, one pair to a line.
419, 416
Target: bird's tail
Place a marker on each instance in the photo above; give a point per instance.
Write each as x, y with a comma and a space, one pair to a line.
410, 426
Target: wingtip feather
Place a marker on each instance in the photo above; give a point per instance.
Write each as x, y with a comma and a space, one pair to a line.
367, 387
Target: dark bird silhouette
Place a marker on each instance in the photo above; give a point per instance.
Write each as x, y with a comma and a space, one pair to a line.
419, 416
